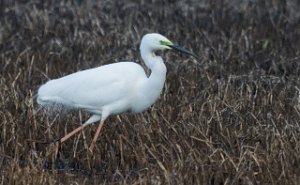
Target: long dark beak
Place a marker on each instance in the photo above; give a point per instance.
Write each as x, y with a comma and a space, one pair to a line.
182, 50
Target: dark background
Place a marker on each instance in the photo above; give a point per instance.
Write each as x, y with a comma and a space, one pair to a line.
232, 117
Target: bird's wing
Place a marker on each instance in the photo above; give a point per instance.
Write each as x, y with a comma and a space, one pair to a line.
95, 87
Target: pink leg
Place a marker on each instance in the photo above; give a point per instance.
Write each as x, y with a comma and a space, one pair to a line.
91, 148
72, 133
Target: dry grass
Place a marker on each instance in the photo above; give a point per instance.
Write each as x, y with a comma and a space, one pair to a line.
230, 118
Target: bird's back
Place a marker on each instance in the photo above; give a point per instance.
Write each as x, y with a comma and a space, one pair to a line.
93, 88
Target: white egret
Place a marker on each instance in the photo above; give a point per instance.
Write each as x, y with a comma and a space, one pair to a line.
111, 89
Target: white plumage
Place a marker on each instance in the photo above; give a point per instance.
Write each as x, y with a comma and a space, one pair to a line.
113, 88
103, 90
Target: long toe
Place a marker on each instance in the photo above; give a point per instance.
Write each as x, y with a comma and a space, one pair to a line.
91, 148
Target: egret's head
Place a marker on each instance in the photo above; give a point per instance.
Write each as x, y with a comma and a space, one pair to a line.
155, 41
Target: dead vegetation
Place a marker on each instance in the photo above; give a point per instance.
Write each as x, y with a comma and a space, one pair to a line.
230, 118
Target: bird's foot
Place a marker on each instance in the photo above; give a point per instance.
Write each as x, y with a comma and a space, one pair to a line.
90, 150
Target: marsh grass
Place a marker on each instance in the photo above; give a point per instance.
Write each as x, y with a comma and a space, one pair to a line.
230, 118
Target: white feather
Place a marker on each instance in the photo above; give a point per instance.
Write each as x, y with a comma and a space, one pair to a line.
113, 88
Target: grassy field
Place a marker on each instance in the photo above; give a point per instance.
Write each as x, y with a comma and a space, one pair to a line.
232, 117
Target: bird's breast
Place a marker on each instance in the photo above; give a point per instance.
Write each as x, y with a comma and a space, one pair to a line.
146, 96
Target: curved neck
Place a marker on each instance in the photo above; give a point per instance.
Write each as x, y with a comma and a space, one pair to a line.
151, 88
148, 56
154, 63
